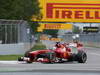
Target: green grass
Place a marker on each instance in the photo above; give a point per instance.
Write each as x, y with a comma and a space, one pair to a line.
38, 46
9, 57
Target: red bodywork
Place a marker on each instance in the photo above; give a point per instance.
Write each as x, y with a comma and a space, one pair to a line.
58, 52
35, 53
62, 52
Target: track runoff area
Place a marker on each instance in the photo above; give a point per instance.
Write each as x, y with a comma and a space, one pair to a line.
92, 64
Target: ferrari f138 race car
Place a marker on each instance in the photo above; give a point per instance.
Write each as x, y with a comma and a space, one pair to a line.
60, 53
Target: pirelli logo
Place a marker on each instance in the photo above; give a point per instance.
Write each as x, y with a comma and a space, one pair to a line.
57, 26
73, 11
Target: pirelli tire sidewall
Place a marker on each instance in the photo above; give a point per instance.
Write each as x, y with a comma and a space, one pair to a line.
81, 57
20, 59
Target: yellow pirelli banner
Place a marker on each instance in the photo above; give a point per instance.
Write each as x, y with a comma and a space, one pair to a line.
54, 26
70, 10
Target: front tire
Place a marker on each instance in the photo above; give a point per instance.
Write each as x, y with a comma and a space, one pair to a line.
20, 59
81, 57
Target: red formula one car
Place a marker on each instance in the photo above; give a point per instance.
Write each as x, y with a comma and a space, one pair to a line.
61, 53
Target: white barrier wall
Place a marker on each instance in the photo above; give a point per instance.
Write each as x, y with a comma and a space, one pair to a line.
8, 49
92, 44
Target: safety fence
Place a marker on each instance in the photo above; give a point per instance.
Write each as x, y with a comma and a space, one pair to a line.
15, 36
92, 39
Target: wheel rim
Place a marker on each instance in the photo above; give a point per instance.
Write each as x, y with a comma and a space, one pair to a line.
84, 57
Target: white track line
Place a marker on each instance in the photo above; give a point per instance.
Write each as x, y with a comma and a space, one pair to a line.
11, 62
16, 62
8, 62
95, 54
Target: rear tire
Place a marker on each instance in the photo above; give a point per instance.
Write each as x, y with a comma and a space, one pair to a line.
81, 57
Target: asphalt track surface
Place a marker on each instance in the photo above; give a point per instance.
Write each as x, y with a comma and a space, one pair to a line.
92, 65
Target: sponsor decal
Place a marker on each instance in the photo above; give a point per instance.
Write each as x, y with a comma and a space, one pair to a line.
70, 11
91, 29
49, 26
